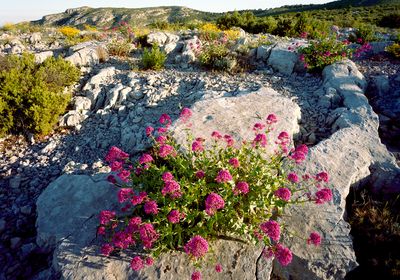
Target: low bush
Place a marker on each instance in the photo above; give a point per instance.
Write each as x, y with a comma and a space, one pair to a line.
391, 21
69, 31
184, 197
153, 58
32, 95
394, 50
324, 52
209, 32
215, 55
121, 48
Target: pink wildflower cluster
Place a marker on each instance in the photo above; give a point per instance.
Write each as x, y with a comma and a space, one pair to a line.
148, 235
282, 254
197, 145
166, 150
145, 158
322, 177
314, 238
138, 263
185, 115
292, 177
271, 229
223, 176
200, 174
260, 140
283, 193
196, 275
271, 119
299, 154
234, 162
123, 239
213, 203
196, 247
116, 154
139, 199
323, 195
151, 207
171, 188
125, 194
175, 216
241, 188
106, 217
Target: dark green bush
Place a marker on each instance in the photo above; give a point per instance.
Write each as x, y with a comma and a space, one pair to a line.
391, 21
153, 58
32, 95
217, 56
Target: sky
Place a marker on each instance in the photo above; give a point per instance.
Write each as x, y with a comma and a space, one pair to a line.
13, 11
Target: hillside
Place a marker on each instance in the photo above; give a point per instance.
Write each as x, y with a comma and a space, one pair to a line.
144, 16
111, 16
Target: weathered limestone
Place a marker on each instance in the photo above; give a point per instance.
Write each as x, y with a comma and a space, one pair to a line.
282, 59
237, 115
88, 53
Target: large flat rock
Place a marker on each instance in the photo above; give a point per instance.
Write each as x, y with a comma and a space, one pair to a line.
237, 115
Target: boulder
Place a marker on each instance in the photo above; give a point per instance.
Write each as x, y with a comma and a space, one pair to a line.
40, 57
82, 103
73, 118
86, 54
232, 115
282, 59
162, 38
35, 38
263, 52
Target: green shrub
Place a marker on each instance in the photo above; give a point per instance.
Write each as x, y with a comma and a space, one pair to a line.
391, 21
394, 50
31, 95
119, 48
366, 33
215, 56
322, 53
153, 58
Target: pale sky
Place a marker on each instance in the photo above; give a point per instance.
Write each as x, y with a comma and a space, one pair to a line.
20, 10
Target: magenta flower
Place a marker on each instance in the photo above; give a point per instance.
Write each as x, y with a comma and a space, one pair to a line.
323, 195
161, 139
174, 216
258, 126
283, 193
145, 158
284, 255
162, 130
223, 176
196, 247
271, 119
185, 114
124, 194
283, 137
196, 275
322, 177
123, 239
106, 216
216, 135
172, 188
165, 119
314, 238
213, 203
134, 224
138, 199
260, 139
271, 229
106, 249
149, 261
148, 235
165, 150
229, 140
116, 166
151, 207
234, 162
197, 146
124, 175
115, 154
218, 268
241, 188
299, 154
101, 230
200, 174
137, 263
149, 131
292, 177
167, 176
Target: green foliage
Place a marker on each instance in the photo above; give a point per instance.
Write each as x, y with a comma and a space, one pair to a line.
322, 53
153, 58
32, 96
366, 32
121, 48
216, 56
394, 50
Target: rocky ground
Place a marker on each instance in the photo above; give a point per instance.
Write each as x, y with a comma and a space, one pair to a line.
113, 106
